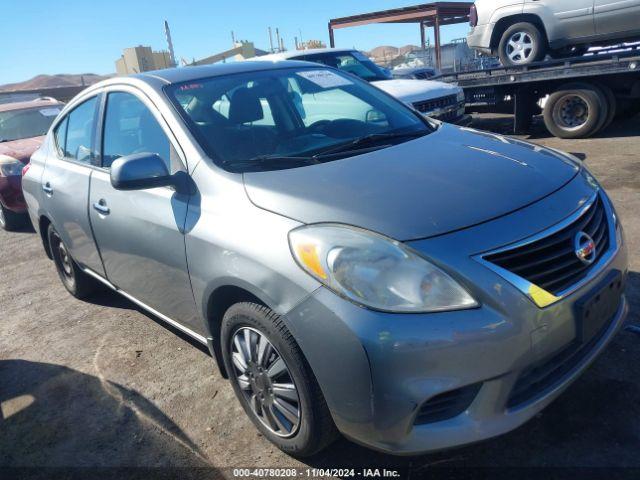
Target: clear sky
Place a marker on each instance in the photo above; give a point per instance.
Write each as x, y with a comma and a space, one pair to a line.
87, 36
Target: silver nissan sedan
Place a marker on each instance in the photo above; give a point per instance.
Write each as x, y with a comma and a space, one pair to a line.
353, 266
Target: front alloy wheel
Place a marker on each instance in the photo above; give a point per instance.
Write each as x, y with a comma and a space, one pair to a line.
520, 47
266, 382
522, 44
273, 381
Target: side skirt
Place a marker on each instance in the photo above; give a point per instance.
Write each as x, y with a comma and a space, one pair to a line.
173, 323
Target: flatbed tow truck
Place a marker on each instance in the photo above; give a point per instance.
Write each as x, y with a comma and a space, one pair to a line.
578, 97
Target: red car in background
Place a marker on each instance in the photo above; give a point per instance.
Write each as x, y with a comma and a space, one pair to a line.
22, 129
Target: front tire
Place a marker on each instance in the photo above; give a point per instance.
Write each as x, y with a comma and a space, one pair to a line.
77, 283
10, 221
273, 381
522, 44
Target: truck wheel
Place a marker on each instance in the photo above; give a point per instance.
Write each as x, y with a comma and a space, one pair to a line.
273, 381
10, 221
612, 104
522, 44
77, 283
574, 111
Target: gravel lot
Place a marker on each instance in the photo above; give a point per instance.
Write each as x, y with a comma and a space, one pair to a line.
101, 383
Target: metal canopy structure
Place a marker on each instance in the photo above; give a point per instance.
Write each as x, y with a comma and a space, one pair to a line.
426, 15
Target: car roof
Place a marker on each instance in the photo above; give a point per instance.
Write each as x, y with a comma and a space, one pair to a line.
298, 53
157, 79
186, 74
37, 103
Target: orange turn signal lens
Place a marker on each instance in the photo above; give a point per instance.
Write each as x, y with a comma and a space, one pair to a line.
308, 255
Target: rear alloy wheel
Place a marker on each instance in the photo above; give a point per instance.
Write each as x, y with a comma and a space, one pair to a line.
77, 283
522, 44
273, 380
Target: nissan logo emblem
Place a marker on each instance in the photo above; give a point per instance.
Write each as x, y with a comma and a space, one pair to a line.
585, 248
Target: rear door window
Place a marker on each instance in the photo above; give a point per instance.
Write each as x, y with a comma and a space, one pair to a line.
60, 135
78, 140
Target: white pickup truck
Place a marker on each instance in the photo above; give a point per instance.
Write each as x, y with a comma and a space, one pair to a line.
442, 101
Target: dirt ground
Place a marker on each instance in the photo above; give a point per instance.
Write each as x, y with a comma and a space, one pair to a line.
100, 383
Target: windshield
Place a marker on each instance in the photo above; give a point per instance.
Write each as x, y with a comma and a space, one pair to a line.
287, 118
27, 123
355, 63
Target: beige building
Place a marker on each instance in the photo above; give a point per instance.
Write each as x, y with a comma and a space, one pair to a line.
142, 59
241, 50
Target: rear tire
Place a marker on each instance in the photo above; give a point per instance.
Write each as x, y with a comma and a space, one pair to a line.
11, 221
257, 390
77, 283
522, 44
575, 111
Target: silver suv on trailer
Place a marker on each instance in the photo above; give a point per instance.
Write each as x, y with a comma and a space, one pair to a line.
352, 265
525, 31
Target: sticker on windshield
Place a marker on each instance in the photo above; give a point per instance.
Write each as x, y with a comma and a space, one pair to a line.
325, 78
50, 112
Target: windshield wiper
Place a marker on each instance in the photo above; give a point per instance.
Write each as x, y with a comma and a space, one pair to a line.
366, 140
359, 144
271, 161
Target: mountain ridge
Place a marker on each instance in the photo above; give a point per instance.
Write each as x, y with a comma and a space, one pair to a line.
53, 81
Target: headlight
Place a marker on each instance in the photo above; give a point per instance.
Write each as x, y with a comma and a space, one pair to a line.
461, 96
375, 271
9, 166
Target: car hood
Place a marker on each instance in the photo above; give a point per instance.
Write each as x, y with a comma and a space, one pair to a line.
411, 91
21, 149
448, 180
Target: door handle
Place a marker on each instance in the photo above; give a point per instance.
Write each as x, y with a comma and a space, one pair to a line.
101, 207
46, 188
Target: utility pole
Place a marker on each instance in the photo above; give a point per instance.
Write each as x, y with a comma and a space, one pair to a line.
270, 41
172, 56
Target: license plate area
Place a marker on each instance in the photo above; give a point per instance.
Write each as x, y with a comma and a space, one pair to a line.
596, 309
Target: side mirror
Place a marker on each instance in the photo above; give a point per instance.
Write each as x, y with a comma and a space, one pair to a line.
376, 116
139, 172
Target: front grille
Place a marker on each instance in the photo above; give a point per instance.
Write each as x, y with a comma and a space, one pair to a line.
551, 263
429, 106
537, 380
447, 405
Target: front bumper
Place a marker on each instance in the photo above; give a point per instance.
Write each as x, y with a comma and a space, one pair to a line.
11, 194
479, 38
377, 370
454, 112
